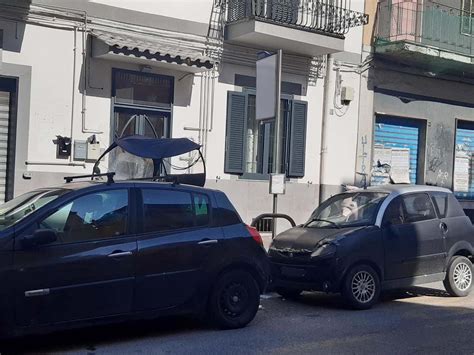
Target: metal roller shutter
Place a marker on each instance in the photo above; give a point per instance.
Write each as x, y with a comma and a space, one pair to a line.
4, 125
394, 134
463, 167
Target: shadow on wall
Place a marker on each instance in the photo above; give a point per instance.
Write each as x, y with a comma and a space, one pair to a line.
97, 74
244, 57
12, 32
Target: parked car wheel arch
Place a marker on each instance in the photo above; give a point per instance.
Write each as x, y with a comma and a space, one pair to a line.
378, 269
461, 248
242, 265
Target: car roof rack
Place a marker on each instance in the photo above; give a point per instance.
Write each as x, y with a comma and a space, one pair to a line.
110, 177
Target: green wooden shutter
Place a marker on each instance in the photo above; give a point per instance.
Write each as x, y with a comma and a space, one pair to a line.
297, 142
235, 133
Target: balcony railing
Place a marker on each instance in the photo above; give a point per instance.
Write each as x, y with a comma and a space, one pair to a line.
429, 24
323, 16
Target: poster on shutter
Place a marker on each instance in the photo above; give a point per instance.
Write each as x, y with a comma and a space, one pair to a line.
400, 171
461, 171
384, 156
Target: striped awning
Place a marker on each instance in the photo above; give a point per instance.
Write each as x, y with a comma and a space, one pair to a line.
166, 47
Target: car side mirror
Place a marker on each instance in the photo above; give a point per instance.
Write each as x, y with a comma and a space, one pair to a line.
39, 237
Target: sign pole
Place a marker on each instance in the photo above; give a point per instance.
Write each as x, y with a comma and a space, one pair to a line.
277, 147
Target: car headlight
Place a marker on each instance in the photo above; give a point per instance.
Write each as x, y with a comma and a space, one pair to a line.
324, 249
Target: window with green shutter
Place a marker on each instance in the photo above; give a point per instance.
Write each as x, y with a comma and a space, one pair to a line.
235, 132
249, 142
297, 144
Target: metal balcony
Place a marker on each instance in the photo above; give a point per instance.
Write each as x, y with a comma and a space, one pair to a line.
431, 35
315, 26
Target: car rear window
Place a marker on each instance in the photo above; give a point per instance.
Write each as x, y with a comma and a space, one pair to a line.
447, 205
441, 203
166, 210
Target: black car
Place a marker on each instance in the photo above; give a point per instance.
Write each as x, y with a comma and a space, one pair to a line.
87, 253
360, 242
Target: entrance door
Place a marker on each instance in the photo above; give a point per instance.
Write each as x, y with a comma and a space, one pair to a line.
397, 143
145, 123
143, 103
463, 179
7, 137
4, 125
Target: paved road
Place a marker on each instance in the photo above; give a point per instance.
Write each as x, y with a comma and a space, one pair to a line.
422, 320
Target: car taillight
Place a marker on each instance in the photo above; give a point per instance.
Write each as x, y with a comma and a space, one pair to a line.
255, 235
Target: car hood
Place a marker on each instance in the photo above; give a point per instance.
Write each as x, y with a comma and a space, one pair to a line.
300, 239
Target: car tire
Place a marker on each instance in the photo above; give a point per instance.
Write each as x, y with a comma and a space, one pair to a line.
361, 287
288, 293
458, 281
234, 300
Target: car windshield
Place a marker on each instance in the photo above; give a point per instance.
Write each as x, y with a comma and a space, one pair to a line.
18, 208
347, 210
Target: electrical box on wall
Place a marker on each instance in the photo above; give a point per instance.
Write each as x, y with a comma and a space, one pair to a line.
80, 150
347, 94
93, 151
63, 147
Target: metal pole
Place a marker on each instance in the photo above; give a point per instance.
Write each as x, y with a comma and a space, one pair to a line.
277, 147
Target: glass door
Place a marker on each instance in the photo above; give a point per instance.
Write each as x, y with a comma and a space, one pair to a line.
141, 122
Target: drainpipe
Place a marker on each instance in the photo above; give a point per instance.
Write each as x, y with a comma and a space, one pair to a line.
206, 117
53, 163
74, 50
326, 98
201, 93
204, 113
213, 90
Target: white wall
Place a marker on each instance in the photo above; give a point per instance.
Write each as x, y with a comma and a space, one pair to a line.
52, 64
52, 91
341, 133
189, 16
50, 54
192, 10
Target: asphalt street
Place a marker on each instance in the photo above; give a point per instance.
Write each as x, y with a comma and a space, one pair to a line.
419, 320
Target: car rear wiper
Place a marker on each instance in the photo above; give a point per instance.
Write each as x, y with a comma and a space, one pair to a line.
323, 220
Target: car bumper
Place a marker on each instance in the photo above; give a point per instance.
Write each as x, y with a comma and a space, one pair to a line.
319, 275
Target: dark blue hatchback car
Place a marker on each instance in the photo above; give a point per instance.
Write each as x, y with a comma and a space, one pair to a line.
89, 252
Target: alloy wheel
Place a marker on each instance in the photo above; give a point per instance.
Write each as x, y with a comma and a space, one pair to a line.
462, 276
363, 287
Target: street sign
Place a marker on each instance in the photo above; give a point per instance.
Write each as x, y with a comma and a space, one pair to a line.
266, 87
277, 184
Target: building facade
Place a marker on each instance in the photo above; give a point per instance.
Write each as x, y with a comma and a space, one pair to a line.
418, 114
74, 75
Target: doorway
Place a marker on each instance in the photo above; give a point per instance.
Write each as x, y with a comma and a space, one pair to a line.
142, 103
7, 137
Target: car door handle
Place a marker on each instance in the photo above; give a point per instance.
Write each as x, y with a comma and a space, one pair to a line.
119, 254
444, 228
35, 293
208, 241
